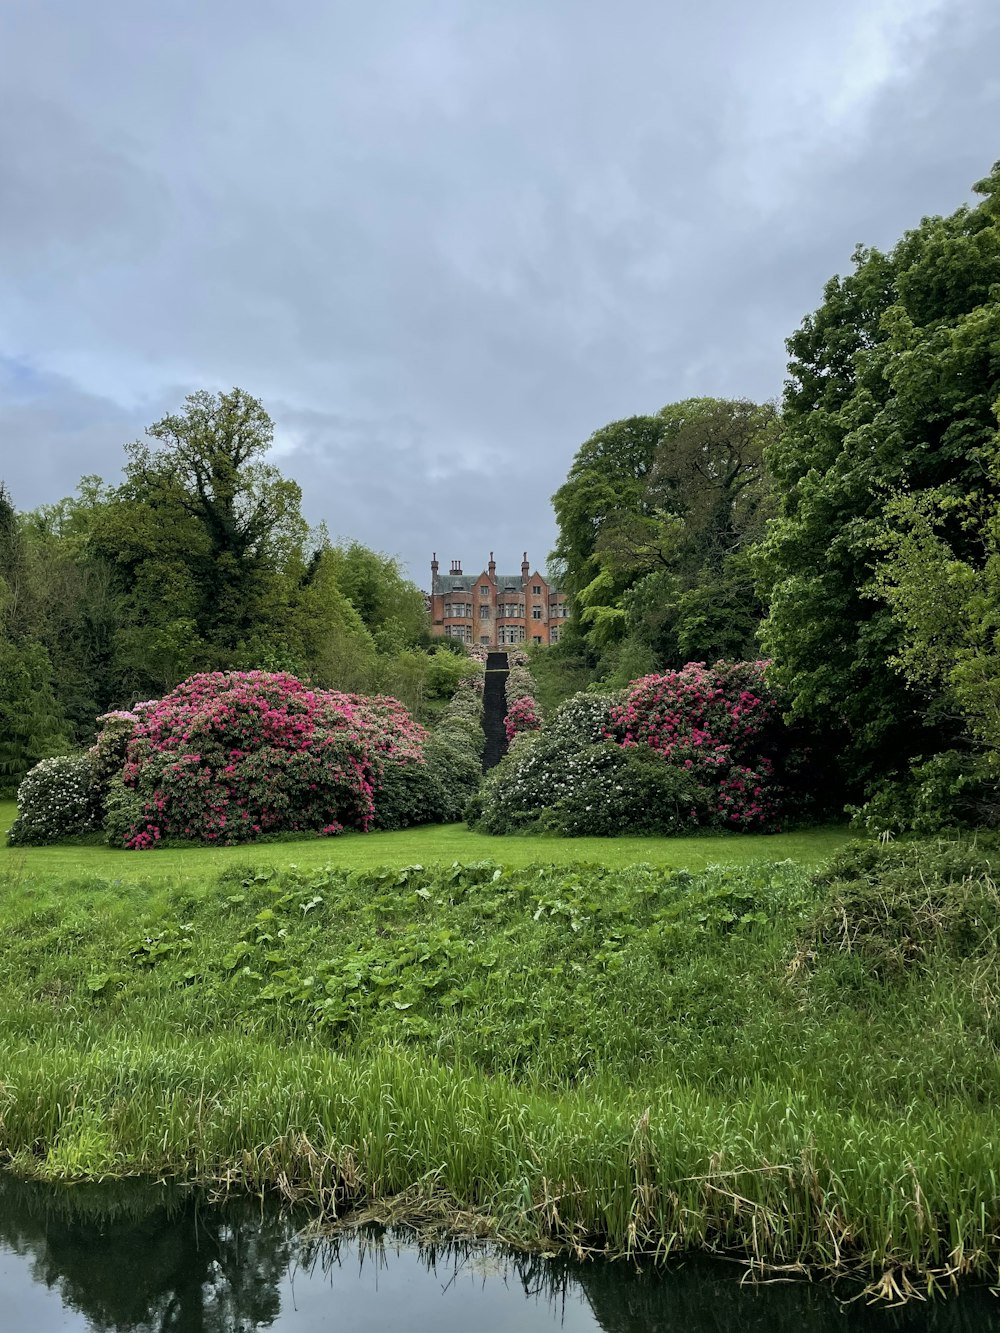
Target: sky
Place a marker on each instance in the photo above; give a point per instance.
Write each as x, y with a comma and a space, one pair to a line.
444, 242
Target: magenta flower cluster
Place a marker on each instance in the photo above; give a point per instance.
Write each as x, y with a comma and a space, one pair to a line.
522, 715
716, 722
228, 756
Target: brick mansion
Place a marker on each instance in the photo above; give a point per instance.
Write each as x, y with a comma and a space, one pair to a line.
495, 610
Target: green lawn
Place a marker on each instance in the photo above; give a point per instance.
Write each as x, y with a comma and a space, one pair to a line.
431, 845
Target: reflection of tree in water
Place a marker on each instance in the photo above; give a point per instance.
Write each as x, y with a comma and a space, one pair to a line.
698, 1295
149, 1260
146, 1259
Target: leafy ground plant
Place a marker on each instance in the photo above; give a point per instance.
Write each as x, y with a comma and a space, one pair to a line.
619, 1060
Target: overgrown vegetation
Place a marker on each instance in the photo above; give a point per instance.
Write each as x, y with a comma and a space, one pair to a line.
800, 1067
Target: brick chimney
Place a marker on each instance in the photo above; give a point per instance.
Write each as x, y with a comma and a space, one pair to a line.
434, 565
456, 566
492, 567
525, 568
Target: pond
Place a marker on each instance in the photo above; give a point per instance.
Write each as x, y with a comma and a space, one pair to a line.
157, 1260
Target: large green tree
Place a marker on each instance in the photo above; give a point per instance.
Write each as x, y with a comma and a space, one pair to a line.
892, 382
32, 722
205, 532
655, 521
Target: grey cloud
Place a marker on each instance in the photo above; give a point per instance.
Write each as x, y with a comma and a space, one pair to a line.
444, 243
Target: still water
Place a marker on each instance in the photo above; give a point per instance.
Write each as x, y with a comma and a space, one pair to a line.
145, 1258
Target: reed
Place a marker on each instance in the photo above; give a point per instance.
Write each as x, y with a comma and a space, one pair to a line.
633, 1061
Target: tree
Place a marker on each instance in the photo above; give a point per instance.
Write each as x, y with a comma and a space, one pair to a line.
891, 388
390, 606
947, 606
655, 521
32, 724
208, 538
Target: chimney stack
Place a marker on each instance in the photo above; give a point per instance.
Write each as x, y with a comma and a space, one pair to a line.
434, 564
525, 567
456, 566
493, 567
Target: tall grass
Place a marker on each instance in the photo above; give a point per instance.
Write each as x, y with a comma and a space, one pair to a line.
801, 1068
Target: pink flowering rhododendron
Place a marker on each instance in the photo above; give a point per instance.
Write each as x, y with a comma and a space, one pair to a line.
522, 715
716, 722
230, 755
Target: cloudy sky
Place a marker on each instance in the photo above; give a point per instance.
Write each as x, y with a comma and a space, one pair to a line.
444, 241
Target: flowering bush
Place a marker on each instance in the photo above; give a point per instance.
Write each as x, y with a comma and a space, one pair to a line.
673, 752
523, 712
598, 790
228, 756
55, 801
584, 718
108, 754
519, 683
522, 715
717, 723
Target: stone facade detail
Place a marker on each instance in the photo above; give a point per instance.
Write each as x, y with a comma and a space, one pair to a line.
495, 610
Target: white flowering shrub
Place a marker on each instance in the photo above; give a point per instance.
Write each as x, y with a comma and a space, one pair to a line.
583, 719
520, 684
595, 790
55, 801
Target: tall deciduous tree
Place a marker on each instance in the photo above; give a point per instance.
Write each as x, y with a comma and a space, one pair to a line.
209, 536
32, 723
655, 520
891, 388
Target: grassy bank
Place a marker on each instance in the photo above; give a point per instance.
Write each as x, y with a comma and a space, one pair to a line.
439, 844
803, 1068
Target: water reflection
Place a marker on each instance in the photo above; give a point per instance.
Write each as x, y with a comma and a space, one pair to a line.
149, 1259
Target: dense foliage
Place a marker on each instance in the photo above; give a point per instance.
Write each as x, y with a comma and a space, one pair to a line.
892, 392
523, 713
229, 756
687, 749
199, 561
655, 521
55, 801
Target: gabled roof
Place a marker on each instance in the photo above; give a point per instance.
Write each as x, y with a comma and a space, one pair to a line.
446, 583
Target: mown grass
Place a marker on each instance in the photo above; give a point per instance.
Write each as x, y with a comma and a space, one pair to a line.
800, 1067
439, 844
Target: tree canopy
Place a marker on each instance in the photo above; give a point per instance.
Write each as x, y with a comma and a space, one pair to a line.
655, 520
891, 389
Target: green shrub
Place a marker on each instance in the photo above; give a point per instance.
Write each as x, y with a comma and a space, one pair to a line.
887, 908
951, 790
121, 810
55, 801
109, 753
438, 790
407, 794
585, 791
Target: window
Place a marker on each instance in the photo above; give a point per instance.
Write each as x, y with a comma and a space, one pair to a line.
537, 590
554, 634
484, 590
536, 638
520, 634
536, 613
484, 613
484, 638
